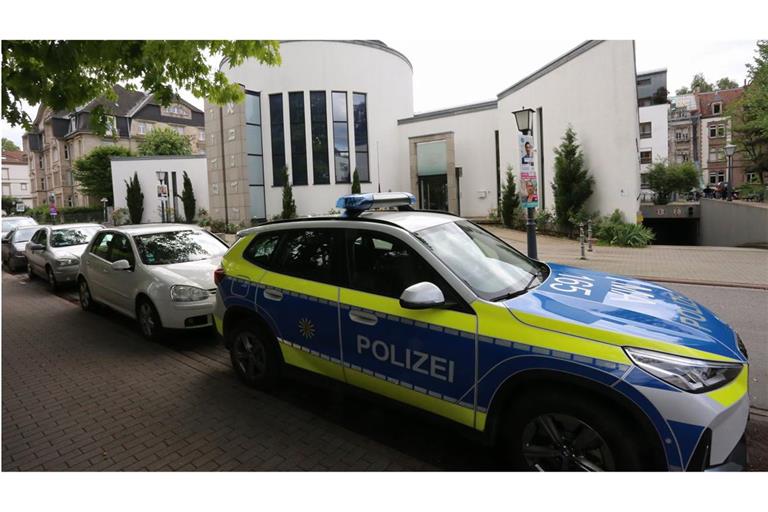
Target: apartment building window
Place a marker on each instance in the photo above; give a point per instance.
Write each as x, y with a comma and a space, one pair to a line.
23, 186
646, 157
321, 174
716, 155
72, 124
644, 183
298, 138
145, 128
716, 130
644, 102
681, 156
716, 177
111, 126
179, 129
340, 136
6, 171
644, 81
717, 108
6, 189
55, 152
751, 177
201, 135
681, 134
645, 130
66, 151
360, 114
278, 138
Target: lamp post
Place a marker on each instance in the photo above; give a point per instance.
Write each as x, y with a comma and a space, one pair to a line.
525, 126
104, 202
730, 150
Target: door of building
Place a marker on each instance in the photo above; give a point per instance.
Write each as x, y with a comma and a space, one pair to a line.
433, 192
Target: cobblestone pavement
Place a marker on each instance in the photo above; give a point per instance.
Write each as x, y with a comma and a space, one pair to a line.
84, 391
716, 265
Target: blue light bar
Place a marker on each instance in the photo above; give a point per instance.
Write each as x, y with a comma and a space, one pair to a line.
357, 203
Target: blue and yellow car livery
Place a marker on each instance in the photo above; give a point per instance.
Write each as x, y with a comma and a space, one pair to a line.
673, 374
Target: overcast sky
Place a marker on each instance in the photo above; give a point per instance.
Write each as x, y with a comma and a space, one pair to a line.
450, 73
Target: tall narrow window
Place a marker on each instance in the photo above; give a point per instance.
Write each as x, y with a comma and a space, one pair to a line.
320, 166
298, 138
340, 136
278, 138
255, 155
360, 112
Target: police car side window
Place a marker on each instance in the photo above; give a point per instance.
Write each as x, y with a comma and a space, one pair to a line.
384, 265
261, 249
308, 254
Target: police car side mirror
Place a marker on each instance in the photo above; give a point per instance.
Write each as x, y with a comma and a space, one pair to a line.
422, 295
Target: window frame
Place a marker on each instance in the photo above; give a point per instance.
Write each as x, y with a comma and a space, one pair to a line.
367, 150
340, 153
650, 156
277, 147
649, 134
338, 262
269, 264
319, 120
719, 104
297, 126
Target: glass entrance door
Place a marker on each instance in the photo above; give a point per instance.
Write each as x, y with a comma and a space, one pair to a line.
433, 192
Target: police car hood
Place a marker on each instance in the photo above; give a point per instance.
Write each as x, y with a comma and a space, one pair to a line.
618, 304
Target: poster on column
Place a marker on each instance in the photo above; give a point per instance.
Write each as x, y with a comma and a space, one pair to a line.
529, 182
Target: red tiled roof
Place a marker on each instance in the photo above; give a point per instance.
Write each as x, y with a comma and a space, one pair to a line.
14, 158
704, 100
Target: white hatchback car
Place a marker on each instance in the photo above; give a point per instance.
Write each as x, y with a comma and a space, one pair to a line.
159, 274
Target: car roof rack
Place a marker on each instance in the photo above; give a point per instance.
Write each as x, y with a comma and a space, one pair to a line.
355, 204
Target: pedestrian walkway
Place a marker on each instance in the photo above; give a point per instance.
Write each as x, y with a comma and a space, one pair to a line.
725, 266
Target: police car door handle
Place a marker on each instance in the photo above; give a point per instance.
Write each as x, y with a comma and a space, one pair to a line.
362, 317
271, 294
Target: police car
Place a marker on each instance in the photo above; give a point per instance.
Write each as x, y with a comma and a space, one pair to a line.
561, 368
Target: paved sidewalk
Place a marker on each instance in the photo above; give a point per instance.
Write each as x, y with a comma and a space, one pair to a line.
683, 264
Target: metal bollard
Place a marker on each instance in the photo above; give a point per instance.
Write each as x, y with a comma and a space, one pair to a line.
589, 235
581, 241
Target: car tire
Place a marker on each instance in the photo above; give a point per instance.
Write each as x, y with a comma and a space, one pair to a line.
53, 286
149, 320
84, 294
30, 272
255, 355
556, 430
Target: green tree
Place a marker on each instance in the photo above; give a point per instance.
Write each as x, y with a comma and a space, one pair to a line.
9, 204
700, 84
683, 90
289, 205
165, 141
64, 74
355, 182
573, 183
94, 170
665, 179
660, 96
9, 145
750, 115
510, 200
188, 199
134, 198
725, 83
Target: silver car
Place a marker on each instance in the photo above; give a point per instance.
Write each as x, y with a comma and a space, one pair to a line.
54, 252
14, 246
16, 222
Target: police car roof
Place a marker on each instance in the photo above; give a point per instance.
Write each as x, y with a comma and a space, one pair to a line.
145, 229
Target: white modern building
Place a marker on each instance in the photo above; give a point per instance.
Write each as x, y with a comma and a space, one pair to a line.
162, 182
15, 178
336, 106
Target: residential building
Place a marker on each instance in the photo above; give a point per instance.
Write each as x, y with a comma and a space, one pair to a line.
336, 106
60, 138
15, 178
715, 134
683, 130
172, 169
652, 110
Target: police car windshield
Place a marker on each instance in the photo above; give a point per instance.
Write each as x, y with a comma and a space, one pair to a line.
492, 269
178, 247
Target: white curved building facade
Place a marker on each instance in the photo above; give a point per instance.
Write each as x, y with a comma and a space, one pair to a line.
331, 107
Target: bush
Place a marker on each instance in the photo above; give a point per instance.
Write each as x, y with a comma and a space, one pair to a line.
752, 192
188, 199
94, 171
289, 205
544, 220
510, 201
71, 214
613, 230
665, 179
165, 141
134, 198
573, 183
355, 182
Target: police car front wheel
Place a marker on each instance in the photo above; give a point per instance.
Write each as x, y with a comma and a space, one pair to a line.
254, 356
569, 432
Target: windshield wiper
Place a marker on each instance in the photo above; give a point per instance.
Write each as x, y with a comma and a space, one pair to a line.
517, 293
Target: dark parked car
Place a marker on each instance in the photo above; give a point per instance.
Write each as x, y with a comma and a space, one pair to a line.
14, 245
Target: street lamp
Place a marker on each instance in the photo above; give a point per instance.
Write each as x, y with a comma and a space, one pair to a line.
730, 150
160, 193
524, 125
104, 202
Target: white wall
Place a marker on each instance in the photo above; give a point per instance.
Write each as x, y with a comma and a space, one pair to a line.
17, 183
595, 93
334, 66
474, 147
658, 143
123, 169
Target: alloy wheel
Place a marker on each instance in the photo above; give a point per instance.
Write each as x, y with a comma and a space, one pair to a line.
250, 356
51, 280
85, 295
560, 442
147, 319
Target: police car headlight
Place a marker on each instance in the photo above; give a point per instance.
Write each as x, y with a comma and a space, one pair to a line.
181, 293
692, 375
